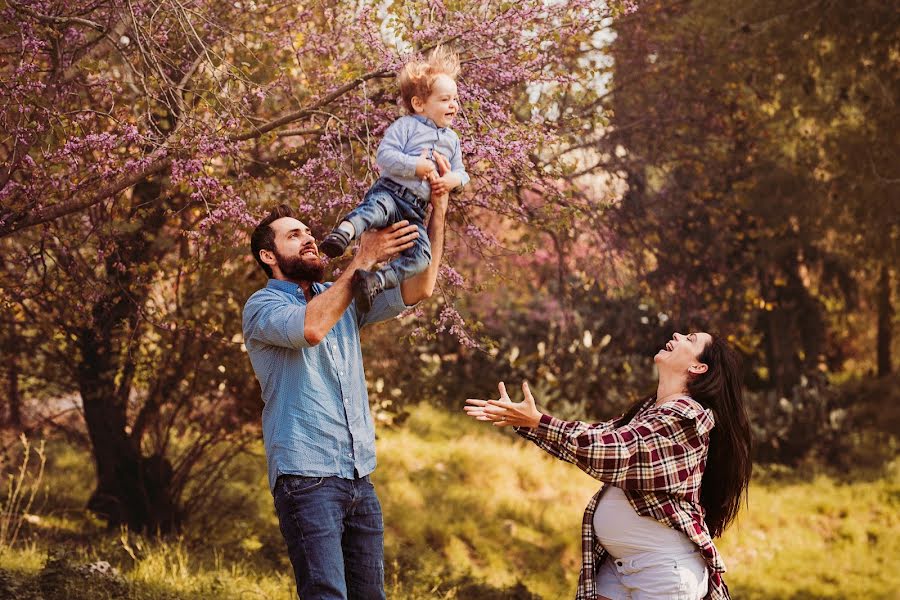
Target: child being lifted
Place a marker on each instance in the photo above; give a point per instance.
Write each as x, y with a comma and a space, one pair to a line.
406, 159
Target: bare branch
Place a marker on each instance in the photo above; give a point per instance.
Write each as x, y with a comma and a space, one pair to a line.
304, 112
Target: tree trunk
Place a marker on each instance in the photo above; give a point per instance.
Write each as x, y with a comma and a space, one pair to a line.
885, 315
131, 489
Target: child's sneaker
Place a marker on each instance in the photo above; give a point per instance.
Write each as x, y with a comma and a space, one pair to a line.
366, 285
335, 243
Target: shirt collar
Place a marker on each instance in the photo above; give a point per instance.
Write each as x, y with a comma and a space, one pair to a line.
292, 288
427, 121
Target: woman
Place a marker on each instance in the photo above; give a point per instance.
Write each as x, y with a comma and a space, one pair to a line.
674, 467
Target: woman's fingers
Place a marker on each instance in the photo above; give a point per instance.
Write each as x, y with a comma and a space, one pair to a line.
502, 412
479, 415
528, 397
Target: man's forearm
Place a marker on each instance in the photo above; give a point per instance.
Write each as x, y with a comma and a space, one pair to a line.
422, 285
325, 310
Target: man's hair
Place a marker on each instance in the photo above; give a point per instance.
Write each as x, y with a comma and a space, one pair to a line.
417, 77
263, 237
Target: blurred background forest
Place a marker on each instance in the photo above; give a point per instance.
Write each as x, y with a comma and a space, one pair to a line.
639, 168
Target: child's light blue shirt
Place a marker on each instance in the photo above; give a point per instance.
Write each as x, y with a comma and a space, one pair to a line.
402, 145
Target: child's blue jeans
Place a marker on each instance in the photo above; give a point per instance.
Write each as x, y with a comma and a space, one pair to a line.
385, 203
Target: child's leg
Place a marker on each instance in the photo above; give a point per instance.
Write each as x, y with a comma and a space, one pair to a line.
411, 261
378, 209
415, 259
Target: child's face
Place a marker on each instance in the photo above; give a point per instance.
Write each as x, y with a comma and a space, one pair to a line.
443, 103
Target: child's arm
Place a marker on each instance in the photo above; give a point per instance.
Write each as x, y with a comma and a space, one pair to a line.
393, 161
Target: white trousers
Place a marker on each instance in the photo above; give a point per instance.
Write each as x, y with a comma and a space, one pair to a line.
653, 576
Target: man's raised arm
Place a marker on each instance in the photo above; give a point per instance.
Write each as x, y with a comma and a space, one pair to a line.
325, 309
422, 285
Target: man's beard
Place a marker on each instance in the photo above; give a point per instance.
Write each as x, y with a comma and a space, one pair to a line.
296, 268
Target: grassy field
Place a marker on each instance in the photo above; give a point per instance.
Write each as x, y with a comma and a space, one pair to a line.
470, 512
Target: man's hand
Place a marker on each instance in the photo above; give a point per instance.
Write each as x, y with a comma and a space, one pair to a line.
378, 246
424, 167
443, 185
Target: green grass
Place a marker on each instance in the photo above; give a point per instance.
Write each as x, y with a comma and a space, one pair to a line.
470, 512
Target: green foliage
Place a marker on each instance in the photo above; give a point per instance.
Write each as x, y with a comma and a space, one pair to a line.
805, 536
755, 138
471, 512
21, 486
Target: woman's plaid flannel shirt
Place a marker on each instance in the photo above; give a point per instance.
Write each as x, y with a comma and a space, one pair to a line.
657, 459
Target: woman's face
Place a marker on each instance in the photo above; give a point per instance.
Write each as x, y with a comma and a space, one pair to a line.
680, 354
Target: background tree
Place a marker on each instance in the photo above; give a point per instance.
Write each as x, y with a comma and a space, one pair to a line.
141, 139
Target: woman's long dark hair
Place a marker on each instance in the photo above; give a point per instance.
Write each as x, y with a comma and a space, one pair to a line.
728, 464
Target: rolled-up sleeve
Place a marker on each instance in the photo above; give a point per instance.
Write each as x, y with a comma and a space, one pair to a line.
272, 320
387, 305
390, 157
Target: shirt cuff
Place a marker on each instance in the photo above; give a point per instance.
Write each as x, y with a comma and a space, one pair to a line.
539, 432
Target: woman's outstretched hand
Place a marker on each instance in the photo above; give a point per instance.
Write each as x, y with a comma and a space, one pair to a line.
504, 412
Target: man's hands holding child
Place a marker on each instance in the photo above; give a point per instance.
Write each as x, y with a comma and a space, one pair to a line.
441, 179
377, 246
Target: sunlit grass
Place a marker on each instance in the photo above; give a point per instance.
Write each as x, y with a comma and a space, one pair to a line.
468, 510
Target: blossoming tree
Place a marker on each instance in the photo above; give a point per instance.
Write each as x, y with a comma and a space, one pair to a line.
142, 138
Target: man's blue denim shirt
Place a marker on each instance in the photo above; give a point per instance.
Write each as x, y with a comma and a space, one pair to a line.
404, 141
316, 419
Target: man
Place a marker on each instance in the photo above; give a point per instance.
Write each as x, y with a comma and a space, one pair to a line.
303, 340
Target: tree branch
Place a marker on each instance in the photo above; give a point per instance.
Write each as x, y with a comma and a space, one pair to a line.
10, 224
304, 112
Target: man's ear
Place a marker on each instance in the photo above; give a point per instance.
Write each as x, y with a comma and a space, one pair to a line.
698, 369
268, 257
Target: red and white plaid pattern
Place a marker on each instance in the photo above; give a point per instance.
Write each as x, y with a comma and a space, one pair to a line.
658, 460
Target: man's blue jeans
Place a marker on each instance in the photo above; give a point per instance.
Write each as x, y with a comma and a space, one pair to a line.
335, 536
385, 203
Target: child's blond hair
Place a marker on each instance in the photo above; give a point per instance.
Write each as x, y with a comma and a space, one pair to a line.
417, 77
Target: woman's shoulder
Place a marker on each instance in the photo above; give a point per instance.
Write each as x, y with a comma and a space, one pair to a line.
688, 408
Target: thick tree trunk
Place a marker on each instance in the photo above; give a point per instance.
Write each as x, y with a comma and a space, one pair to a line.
885, 317
131, 489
